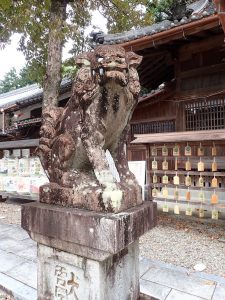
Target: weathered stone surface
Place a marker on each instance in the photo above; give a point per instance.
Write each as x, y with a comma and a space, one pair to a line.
177, 295
20, 272
156, 290
84, 232
219, 293
29, 253
146, 297
96, 118
8, 261
90, 199
64, 275
16, 289
181, 281
11, 245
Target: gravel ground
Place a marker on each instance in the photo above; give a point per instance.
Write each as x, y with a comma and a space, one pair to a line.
178, 240
185, 242
10, 212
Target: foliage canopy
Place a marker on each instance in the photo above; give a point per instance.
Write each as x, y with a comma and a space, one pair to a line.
32, 20
169, 9
13, 81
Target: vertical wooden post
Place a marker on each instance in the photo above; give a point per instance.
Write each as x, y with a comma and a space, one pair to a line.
147, 164
220, 7
180, 117
3, 120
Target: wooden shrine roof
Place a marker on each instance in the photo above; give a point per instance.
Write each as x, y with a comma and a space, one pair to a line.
162, 44
203, 13
184, 136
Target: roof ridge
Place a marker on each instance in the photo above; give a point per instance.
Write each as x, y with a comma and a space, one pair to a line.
29, 88
201, 9
20, 90
201, 3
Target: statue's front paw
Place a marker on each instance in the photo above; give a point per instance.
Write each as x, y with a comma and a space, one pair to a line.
105, 178
112, 199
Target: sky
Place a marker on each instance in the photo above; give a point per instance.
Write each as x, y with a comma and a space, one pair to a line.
10, 57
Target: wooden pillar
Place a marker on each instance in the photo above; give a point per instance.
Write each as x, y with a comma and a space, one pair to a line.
180, 117
220, 7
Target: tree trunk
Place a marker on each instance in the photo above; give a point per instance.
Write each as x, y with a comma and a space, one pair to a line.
53, 78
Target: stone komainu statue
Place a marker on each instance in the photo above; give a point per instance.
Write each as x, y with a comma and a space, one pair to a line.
74, 139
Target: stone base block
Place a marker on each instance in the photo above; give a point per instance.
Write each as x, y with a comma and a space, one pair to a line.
87, 255
62, 275
82, 232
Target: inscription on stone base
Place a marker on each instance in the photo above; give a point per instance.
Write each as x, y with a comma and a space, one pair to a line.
65, 276
65, 284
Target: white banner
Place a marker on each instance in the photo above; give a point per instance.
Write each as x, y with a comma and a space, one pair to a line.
138, 168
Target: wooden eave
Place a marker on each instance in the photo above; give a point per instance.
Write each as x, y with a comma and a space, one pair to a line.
151, 96
179, 32
184, 136
29, 143
160, 95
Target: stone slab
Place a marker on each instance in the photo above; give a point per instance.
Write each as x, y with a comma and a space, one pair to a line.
208, 276
29, 253
181, 281
14, 233
177, 295
19, 290
11, 245
164, 265
5, 227
23, 273
154, 289
18, 233
101, 231
219, 293
145, 265
9, 261
160, 264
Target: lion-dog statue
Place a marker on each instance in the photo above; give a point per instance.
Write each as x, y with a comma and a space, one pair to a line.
74, 139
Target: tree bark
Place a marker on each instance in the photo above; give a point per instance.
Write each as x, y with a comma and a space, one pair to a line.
53, 78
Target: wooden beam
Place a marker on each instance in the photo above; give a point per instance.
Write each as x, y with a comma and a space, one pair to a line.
158, 119
185, 136
186, 51
162, 76
149, 65
150, 75
155, 53
203, 70
19, 144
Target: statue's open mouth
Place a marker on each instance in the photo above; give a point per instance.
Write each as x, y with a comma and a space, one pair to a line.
114, 71
117, 76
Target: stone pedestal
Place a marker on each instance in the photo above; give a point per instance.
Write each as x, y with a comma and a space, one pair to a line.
87, 255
